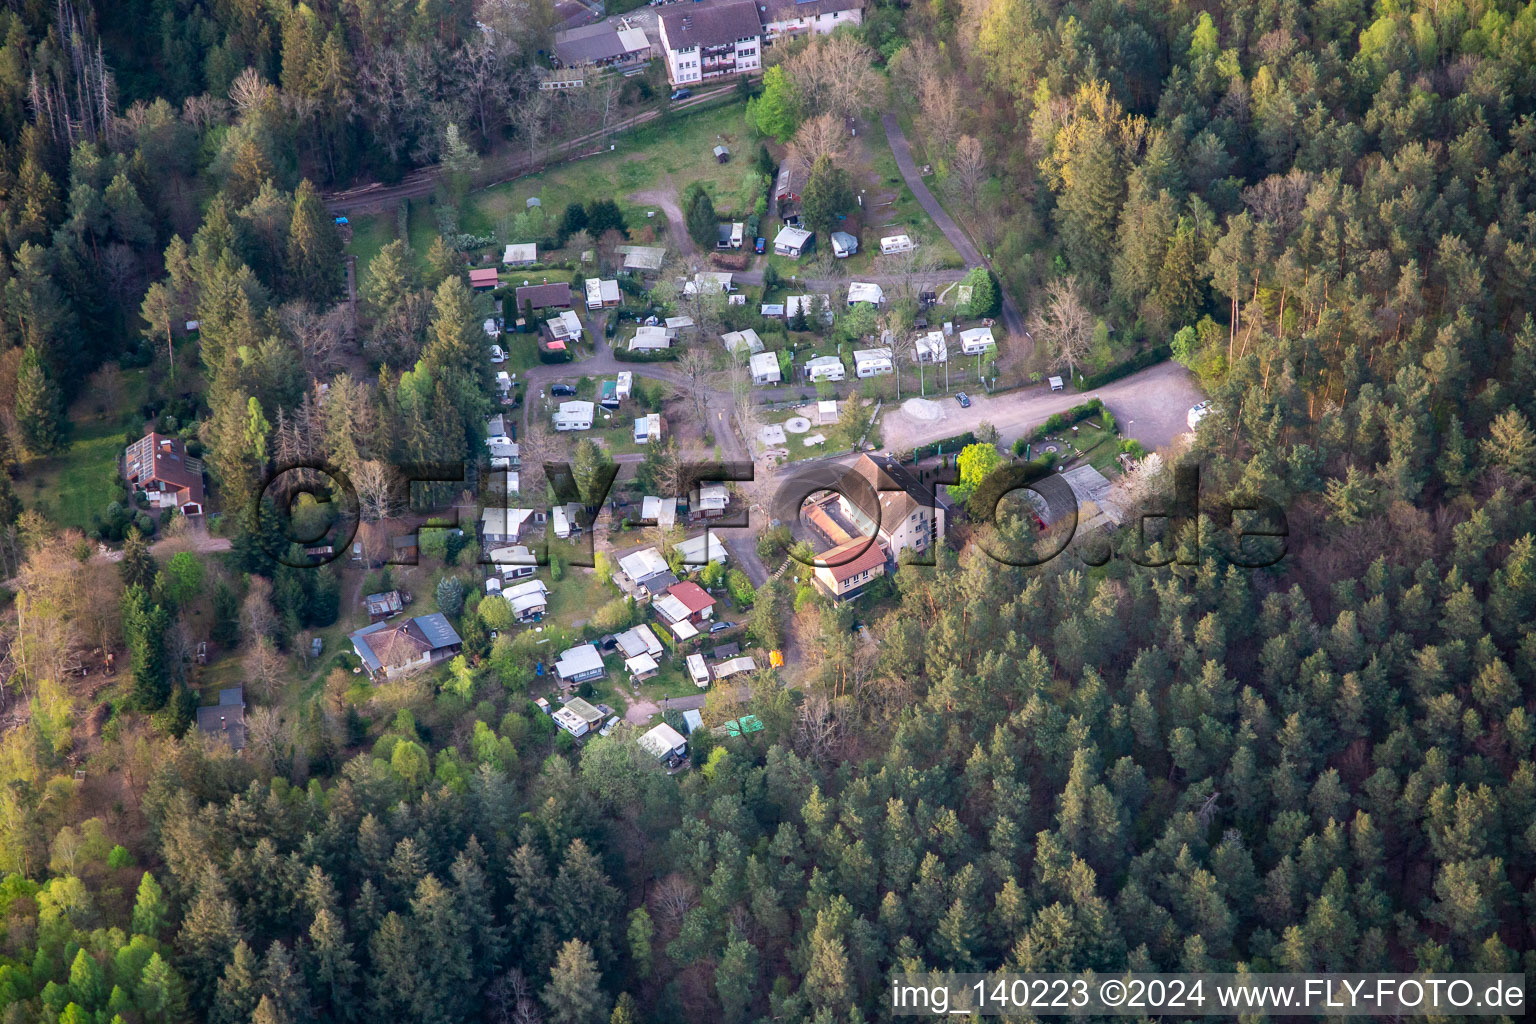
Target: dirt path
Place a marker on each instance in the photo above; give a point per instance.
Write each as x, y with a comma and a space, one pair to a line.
666, 198
1013, 319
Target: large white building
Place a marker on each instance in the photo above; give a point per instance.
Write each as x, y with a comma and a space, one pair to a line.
790, 18
704, 41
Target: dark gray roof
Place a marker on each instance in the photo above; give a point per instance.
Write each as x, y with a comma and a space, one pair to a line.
589, 43
726, 651
660, 583
544, 296
225, 720
437, 629
364, 650
711, 24
785, 10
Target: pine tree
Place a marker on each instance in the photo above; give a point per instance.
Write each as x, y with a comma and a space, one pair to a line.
144, 626
391, 277
625, 1011
150, 912
733, 978
10, 504
39, 406
314, 248
699, 213
1090, 205
238, 988
574, 994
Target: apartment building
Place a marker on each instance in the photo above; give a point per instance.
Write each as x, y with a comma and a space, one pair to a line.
704, 41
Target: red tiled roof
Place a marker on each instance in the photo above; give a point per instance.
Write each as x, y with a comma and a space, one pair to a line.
158, 457
830, 528
485, 275
694, 597
842, 562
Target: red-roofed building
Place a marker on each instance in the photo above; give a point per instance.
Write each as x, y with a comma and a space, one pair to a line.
159, 466
844, 571
484, 279
695, 598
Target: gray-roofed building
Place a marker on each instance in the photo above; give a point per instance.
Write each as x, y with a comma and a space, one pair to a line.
396, 650
544, 296
599, 45
225, 720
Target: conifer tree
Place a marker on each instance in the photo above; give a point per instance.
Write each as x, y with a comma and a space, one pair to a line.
39, 406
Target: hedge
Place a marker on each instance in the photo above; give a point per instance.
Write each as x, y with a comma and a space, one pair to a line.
1063, 420
624, 355
1140, 361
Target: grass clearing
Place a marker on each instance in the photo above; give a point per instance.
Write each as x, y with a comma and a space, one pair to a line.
71, 487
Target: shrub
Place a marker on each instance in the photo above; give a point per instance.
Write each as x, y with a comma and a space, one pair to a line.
1140, 361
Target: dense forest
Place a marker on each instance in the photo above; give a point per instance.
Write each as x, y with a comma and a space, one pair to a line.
1325, 209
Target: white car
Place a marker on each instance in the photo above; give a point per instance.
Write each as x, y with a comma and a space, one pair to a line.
497, 355
1198, 413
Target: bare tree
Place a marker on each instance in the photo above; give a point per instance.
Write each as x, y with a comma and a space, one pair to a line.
531, 119
264, 667
257, 619
822, 135
941, 107
693, 368
820, 726
742, 405
319, 335
537, 447
835, 75
266, 736
377, 495
968, 169
674, 896
1063, 324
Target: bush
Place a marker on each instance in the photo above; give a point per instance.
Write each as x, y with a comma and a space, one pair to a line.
1062, 420
623, 355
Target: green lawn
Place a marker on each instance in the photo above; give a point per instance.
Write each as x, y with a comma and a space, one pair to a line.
672, 681
680, 148
71, 487
574, 599
904, 216
369, 235
673, 151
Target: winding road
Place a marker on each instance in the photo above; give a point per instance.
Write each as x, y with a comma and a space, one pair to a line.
1013, 319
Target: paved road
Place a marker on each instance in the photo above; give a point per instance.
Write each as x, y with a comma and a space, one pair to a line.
1150, 406
1012, 318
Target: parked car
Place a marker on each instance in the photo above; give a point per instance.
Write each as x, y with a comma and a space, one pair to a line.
608, 726
721, 626
964, 399
1198, 413
682, 94
759, 245
562, 391
497, 355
